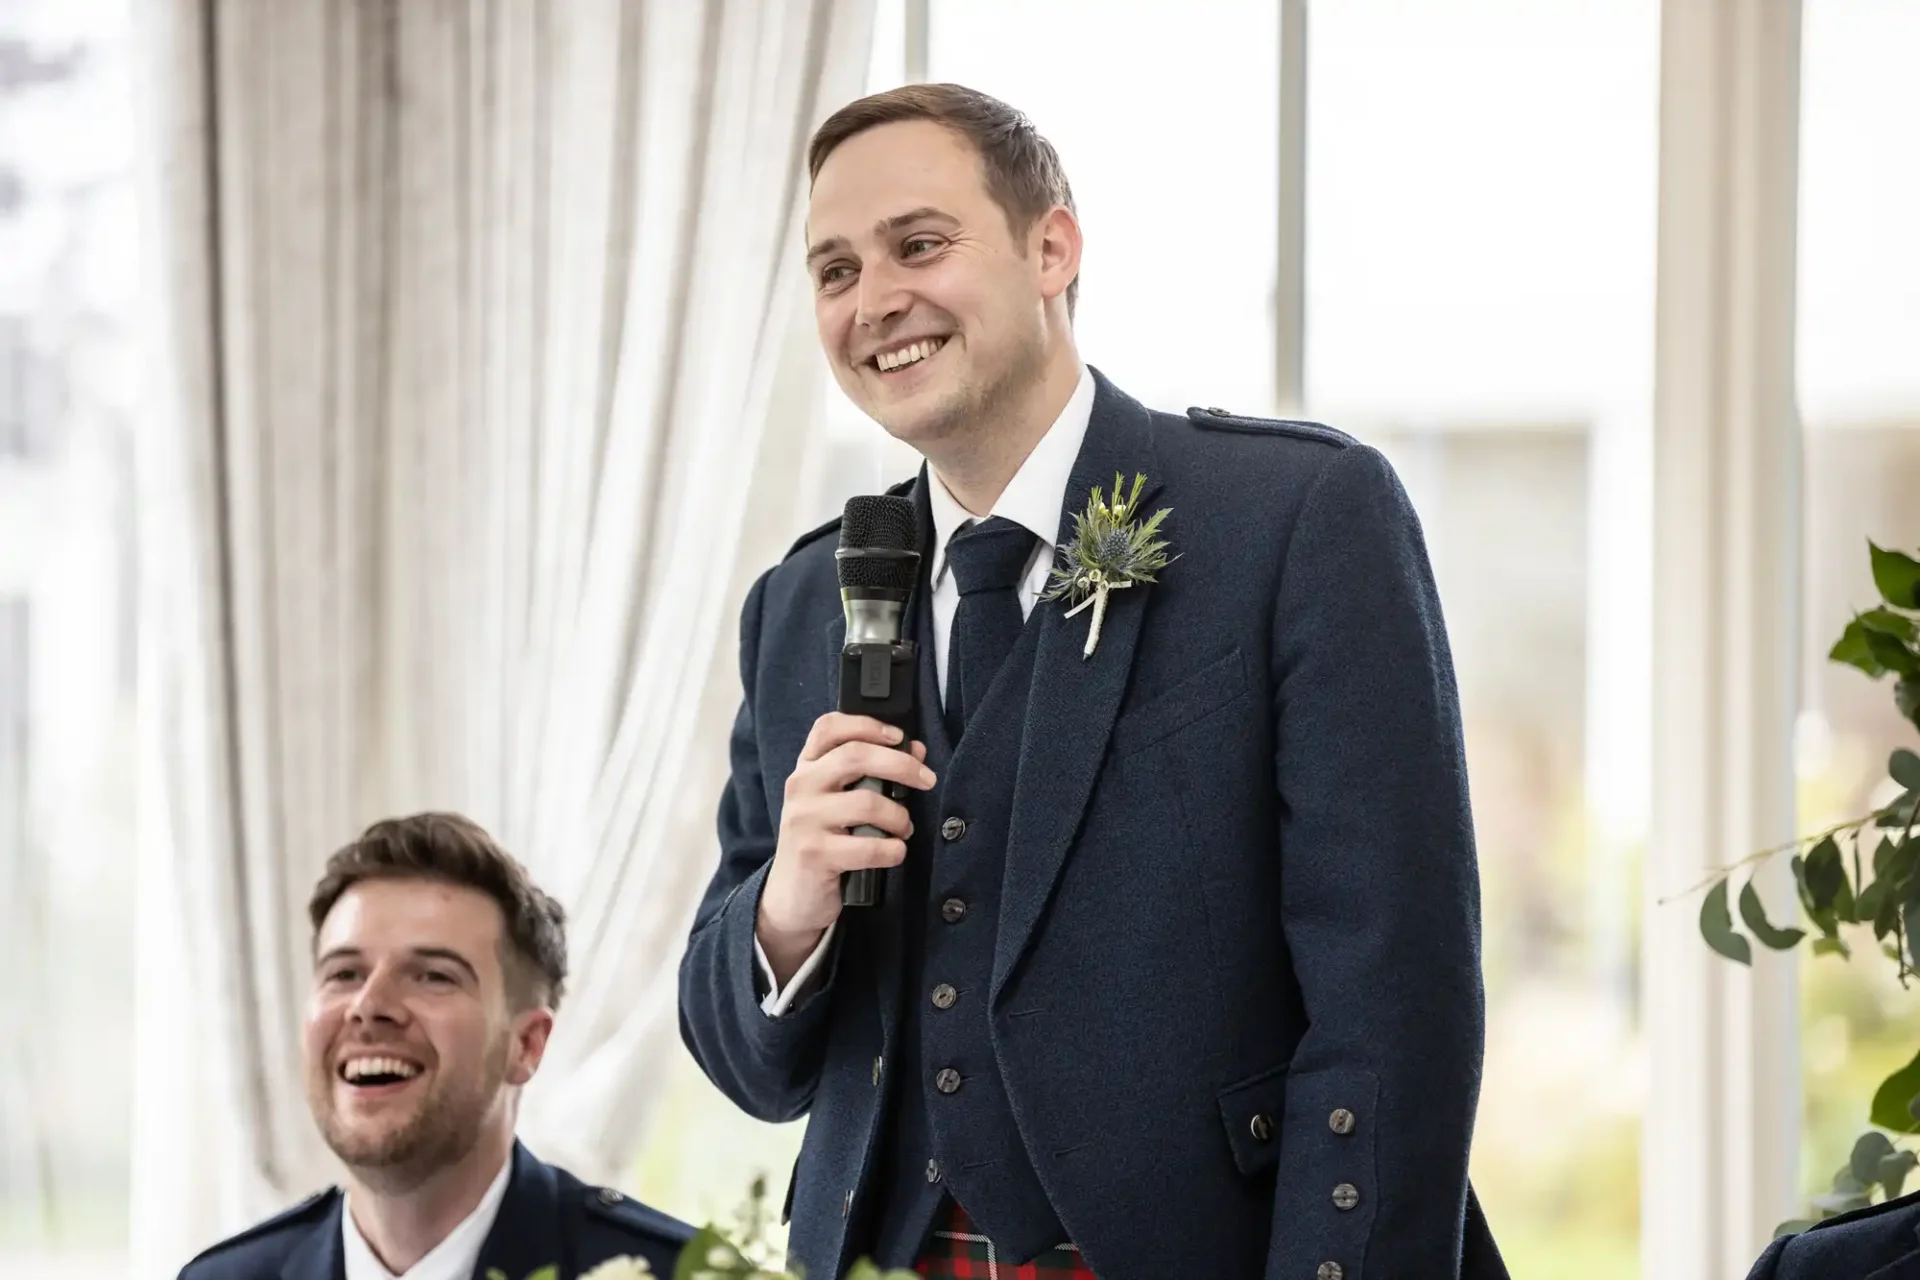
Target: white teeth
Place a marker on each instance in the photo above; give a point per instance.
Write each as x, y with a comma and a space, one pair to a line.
891, 360
360, 1068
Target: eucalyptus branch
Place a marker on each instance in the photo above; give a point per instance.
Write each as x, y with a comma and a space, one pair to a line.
1722, 873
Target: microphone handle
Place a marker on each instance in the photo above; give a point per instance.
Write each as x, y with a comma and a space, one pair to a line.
876, 679
867, 887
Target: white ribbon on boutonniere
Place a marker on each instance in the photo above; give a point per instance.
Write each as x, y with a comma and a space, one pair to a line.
1111, 550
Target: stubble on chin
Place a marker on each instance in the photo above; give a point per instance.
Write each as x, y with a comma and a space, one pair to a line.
397, 1149
968, 417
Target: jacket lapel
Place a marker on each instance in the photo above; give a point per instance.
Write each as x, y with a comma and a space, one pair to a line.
1074, 699
527, 1231
318, 1257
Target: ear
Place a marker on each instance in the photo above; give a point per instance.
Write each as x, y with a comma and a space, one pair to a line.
531, 1030
1054, 242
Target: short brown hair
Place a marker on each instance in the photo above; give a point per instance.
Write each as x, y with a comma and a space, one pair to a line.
456, 850
1022, 170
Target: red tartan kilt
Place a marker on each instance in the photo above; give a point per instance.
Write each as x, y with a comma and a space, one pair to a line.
957, 1252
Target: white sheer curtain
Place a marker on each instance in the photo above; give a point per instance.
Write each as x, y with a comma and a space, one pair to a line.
486, 384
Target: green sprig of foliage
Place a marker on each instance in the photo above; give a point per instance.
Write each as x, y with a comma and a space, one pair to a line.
1833, 886
1109, 546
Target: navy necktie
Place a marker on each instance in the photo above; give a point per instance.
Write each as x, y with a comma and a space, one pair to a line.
987, 560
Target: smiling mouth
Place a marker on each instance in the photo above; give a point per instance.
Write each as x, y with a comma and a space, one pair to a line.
378, 1072
908, 356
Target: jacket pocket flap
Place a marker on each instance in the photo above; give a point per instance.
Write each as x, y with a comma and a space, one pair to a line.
1199, 695
1252, 1111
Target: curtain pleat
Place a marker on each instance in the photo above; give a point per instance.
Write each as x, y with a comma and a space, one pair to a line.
486, 381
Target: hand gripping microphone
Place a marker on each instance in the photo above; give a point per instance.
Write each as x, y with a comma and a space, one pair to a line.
878, 562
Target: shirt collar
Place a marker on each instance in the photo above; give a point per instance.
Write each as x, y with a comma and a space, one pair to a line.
1033, 499
454, 1258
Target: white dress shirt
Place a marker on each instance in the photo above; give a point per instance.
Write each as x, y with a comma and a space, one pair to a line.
454, 1258
1033, 499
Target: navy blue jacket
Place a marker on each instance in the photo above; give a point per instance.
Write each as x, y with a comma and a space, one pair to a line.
1236, 992
1877, 1243
549, 1217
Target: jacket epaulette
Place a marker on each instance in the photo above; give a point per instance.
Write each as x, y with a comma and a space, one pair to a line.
631, 1216
306, 1213
833, 525
1221, 420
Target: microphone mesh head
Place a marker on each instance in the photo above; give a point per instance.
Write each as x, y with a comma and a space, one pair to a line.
879, 536
879, 520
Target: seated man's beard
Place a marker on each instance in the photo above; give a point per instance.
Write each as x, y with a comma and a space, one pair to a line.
441, 1130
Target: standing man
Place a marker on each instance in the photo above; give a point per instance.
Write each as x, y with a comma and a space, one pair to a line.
1178, 969
437, 965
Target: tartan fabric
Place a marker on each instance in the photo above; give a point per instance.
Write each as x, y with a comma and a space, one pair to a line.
957, 1252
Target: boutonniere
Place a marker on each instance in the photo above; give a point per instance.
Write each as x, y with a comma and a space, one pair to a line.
1111, 549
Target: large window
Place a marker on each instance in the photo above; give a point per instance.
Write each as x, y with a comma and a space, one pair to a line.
1859, 381
1480, 266
67, 408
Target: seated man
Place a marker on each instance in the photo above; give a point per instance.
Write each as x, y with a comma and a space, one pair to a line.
437, 965
1881, 1242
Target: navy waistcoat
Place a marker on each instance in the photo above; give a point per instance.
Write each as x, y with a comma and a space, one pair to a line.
951, 1127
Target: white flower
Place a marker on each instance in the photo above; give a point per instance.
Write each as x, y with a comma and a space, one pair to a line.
627, 1268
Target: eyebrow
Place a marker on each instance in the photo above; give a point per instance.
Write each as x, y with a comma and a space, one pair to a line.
421, 953
925, 213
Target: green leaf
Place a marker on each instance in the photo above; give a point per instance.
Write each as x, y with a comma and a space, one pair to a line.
1910, 918
1898, 577
1899, 815
1849, 1193
1832, 945
1894, 1170
1894, 655
1883, 858
1792, 1227
1841, 1202
495, 1273
1902, 859
1889, 623
1890, 1101
1873, 907
708, 1253
1845, 909
1757, 923
1869, 1149
1852, 650
1716, 926
1904, 766
1825, 876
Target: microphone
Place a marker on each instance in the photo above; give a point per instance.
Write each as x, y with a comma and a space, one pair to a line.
878, 561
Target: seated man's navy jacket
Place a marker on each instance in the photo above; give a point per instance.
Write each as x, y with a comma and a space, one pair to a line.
548, 1218
1877, 1243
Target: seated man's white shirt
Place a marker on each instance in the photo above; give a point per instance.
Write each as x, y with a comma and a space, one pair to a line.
454, 1258
1033, 499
